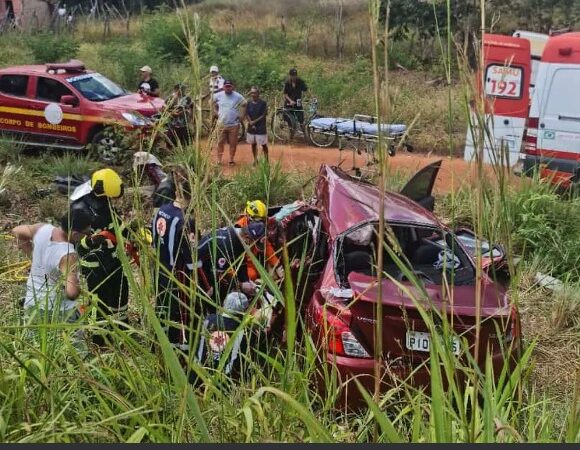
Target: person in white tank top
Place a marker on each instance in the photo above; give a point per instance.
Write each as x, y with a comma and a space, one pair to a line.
53, 282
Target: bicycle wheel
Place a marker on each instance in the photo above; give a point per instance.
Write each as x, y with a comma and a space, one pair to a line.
321, 138
282, 126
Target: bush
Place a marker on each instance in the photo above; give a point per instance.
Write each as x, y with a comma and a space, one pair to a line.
163, 36
542, 226
12, 50
252, 66
546, 227
266, 182
48, 47
127, 59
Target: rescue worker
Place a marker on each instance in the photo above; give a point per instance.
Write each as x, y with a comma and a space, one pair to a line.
173, 235
221, 255
220, 327
256, 210
99, 260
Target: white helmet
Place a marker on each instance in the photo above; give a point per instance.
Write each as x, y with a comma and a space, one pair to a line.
236, 302
213, 69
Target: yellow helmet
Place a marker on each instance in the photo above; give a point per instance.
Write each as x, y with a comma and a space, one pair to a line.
107, 183
257, 210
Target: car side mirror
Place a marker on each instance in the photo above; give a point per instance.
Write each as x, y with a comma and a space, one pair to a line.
69, 100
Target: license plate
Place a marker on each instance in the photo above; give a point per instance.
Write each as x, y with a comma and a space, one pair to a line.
418, 341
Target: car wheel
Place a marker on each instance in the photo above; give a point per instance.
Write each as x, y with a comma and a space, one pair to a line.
107, 146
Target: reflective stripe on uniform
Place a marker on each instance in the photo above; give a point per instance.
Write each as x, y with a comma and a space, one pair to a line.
90, 264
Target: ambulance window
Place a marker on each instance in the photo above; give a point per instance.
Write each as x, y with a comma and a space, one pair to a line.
504, 81
562, 100
14, 85
51, 90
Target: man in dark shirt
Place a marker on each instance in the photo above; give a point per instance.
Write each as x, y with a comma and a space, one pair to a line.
148, 84
221, 256
293, 90
257, 134
180, 108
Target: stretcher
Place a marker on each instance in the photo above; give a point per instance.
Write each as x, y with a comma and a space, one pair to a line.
356, 128
360, 134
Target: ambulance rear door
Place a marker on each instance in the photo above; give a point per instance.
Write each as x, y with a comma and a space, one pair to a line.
505, 82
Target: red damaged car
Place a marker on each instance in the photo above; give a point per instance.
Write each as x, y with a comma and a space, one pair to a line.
342, 294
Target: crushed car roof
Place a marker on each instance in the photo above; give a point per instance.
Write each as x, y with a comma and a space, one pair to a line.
346, 202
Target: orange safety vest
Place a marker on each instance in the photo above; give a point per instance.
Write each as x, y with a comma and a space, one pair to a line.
271, 259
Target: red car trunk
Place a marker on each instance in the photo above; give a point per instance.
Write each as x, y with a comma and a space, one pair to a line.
400, 316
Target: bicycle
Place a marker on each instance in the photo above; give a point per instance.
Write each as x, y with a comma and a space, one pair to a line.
285, 125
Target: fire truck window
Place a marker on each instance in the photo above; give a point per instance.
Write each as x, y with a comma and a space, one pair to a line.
14, 85
51, 90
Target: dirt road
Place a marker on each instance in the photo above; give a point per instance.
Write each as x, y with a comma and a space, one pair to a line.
453, 174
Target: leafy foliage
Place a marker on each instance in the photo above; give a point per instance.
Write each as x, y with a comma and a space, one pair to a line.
49, 47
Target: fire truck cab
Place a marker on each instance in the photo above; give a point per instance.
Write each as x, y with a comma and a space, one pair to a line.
67, 106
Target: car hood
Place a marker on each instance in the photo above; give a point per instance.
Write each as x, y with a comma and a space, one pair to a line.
143, 104
494, 300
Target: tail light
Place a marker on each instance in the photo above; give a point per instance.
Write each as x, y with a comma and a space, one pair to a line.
336, 334
515, 328
531, 136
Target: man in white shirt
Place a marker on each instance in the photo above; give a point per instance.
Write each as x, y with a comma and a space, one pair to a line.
230, 107
216, 82
53, 284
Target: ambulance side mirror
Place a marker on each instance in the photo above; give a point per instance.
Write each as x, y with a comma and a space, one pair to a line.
69, 100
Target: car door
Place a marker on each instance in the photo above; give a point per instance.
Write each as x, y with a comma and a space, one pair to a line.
15, 119
57, 122
420, 187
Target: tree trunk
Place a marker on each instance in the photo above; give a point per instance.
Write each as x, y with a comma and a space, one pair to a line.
339, 30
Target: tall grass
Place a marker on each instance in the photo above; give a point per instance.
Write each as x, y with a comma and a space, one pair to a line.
129, 393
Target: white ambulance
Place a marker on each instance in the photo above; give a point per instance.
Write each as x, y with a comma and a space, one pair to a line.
552, 140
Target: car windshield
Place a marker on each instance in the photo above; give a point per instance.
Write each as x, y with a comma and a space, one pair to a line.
430, 252
96, 87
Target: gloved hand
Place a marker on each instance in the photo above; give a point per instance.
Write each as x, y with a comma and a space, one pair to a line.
95, 241
249, 288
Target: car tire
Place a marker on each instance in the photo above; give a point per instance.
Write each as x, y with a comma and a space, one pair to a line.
107, 147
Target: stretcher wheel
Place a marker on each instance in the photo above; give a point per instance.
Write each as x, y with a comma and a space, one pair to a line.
321, 138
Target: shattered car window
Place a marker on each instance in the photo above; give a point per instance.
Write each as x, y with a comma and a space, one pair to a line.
429, 253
